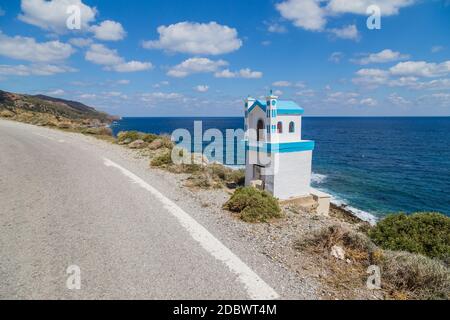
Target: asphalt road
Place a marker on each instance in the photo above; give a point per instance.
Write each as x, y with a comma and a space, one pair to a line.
65, 202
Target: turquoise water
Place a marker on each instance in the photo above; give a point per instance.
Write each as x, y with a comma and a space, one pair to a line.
375, 165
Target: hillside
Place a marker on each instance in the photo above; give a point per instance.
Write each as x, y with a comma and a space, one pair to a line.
40, 107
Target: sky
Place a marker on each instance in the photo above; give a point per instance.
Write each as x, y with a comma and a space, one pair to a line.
203, 58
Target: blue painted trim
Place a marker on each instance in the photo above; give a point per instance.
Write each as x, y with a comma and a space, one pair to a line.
290, 112
257, 104
284, 108
283, 147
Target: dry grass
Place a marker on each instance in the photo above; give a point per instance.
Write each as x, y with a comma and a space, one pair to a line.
404, 275
415, 276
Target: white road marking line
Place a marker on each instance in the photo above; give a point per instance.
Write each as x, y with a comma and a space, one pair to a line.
255, 286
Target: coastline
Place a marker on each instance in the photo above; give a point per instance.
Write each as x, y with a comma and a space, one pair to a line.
287, 250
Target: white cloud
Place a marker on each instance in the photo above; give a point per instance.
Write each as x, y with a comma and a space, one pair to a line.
52, 15
349, 32
306, 14
336, 57
24, 48
421, 69
437, 84
114, 94
398, 100
196, 38
341, 98
202, 88
306, 93
156, 97
388, 7
436, 49
2, 12
243, 73
123, 81
278, 93
131, 66
80, 42
406, 74
276, 28
37, 70
226, 73
109, 31
371, 77
160, 84
249, 74
57, 92
100, 54
370, 102
282, 83
384, 56
313, 15
88, 96
411, 82
195, 65
437, 99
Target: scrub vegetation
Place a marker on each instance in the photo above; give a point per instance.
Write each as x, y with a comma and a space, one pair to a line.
425, 233
254, 205
404, 275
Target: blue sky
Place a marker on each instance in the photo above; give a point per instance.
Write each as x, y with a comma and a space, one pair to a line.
199, 57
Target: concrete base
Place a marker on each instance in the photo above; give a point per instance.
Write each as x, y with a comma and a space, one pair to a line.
318, 202
308, 203
323, 200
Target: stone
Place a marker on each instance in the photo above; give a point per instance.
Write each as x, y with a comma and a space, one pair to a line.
200, 159
258, 184
338, 252
126, 141
137, 144
155, 145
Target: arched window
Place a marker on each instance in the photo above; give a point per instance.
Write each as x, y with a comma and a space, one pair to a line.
260, 130
280, 127
292, 127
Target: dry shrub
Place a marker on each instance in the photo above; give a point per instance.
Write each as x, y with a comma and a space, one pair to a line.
254, 205
415, 275
357, 245
162, 160
101, 131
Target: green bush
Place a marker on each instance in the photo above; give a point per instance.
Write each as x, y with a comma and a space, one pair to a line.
162, 160
227, 175
148, 137
237, 177
419, 276
132, 135
424, 233
253, 205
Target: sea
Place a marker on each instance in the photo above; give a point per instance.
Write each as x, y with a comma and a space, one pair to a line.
374, 166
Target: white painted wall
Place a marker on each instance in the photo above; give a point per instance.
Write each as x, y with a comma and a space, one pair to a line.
286, 136
293, 178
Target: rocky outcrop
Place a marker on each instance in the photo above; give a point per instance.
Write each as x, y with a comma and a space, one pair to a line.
137, 144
